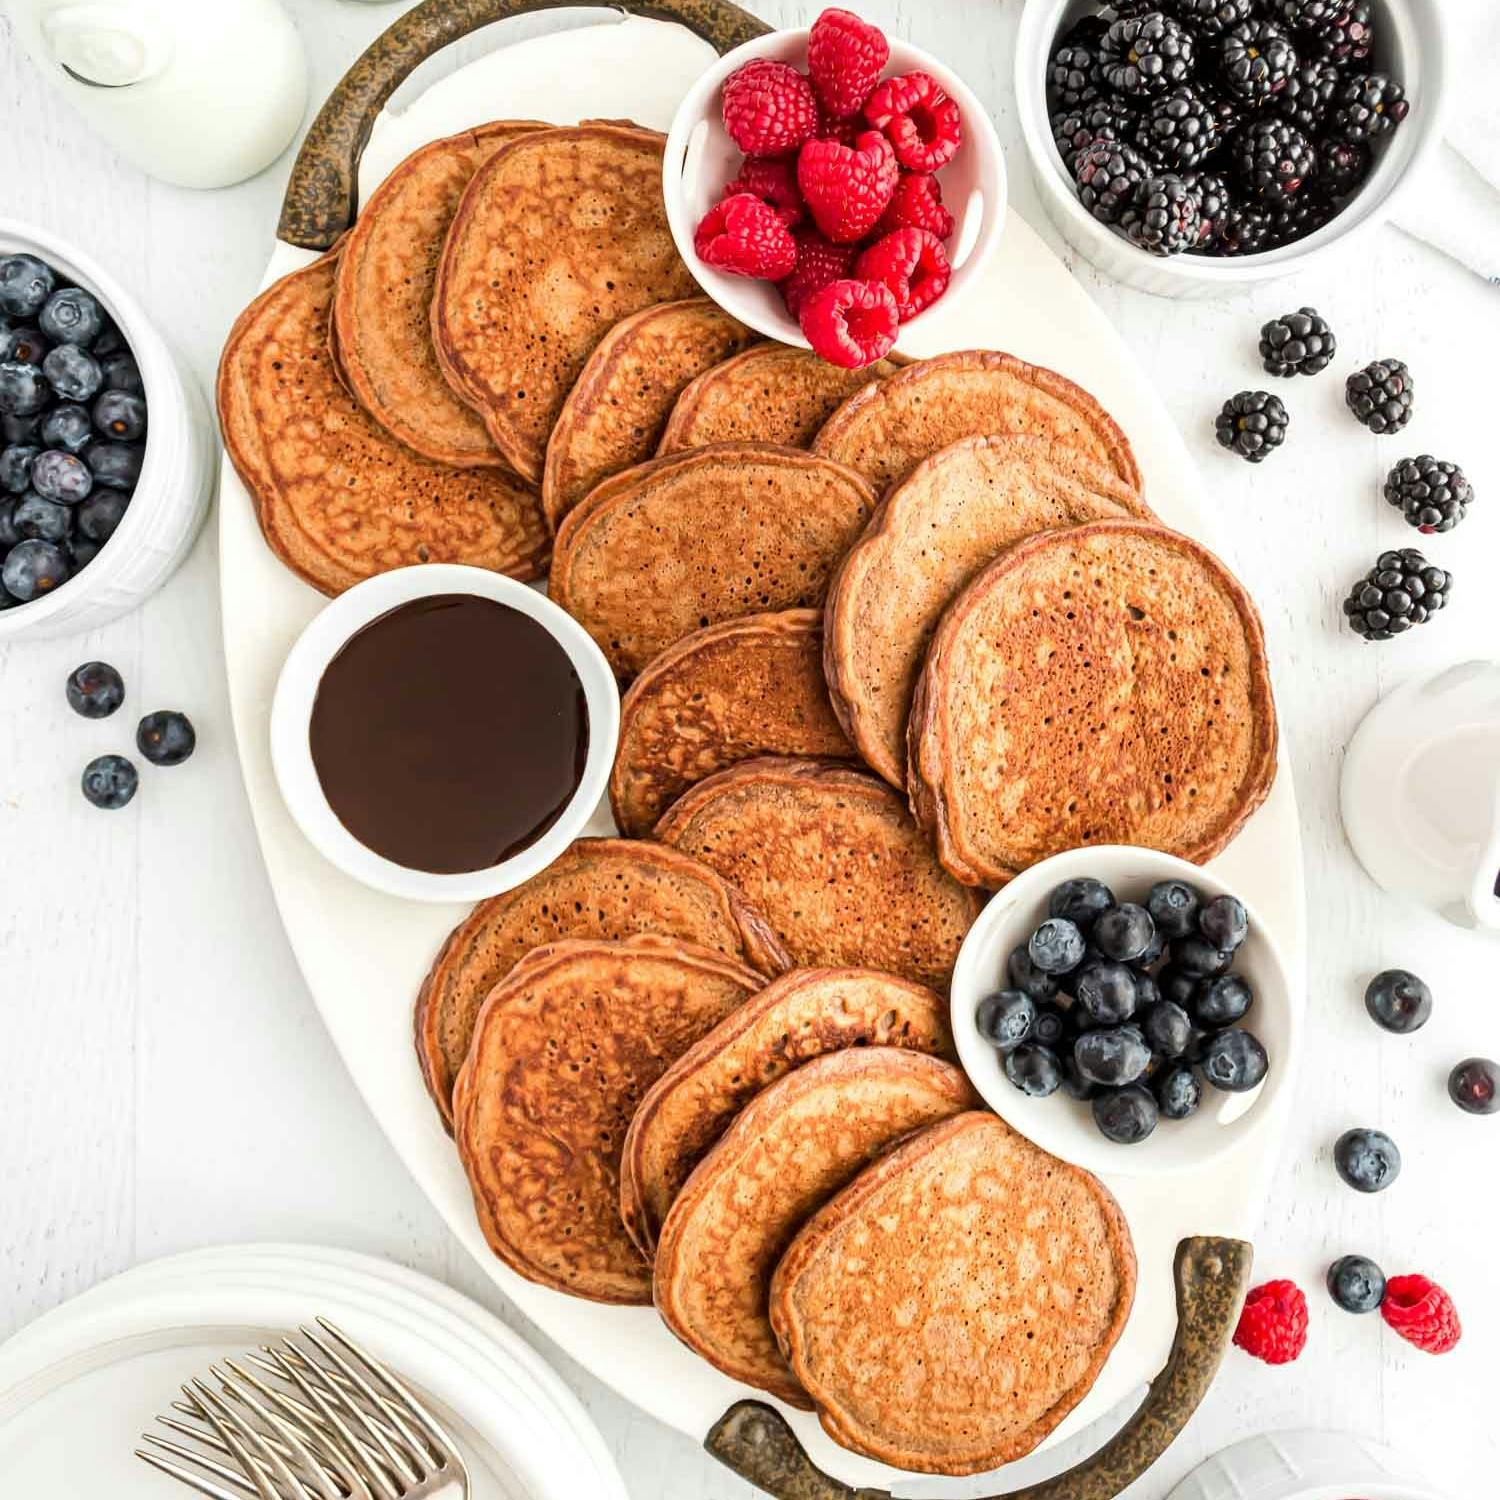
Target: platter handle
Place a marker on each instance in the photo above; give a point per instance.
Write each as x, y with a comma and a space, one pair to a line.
321, 197
1211, 1275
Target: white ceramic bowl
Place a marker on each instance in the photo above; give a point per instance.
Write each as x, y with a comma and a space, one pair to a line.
177, 477
325, 637
1410, 44
1308, 1466
700, 158
1062, 1125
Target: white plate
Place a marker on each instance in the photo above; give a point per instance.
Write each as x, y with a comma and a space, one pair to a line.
364, 955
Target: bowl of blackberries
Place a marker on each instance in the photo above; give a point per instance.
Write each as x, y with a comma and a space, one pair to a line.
1126, 1010
1190, 146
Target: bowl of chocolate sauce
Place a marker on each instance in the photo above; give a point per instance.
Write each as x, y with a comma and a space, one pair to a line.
443, 733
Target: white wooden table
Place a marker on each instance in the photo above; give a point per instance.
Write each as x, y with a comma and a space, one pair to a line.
167, 1081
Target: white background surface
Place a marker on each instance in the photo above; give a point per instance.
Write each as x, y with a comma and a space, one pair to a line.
169, 1084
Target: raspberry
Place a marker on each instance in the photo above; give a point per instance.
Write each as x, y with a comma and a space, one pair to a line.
846, 57
847, 188
1422, 1313
851, 323
913, 264
917, 204
819, 262
1273, 1325
846, 131
745, 236
773, 182
920, 121
769, 108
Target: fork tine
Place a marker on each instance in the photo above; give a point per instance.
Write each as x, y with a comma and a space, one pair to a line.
301, 1455
236, 1477
405, 1465
232, 1428
194, 1481
237, 1449
419, 1451
208, 1437
309, 1414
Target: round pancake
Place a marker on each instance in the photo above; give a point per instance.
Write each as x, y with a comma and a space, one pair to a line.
382, 306
565, 1047
833, 860
794, 1146
559, 236
597, 888
933, 532
742, 688
614, 415
338, 499
886, 429
953, 1304
797, 1017
641, 562
1105, 684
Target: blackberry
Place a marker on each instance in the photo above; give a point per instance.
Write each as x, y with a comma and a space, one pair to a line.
1273, 160
1166, 217
1305, 15
1074, 74
1108, 174
1367, 107
1431, 494
1252, 424
1299, 343
1309, 94
1402, 589
1308, 212
1230, 113
1103, 119
1347, 35
1381, 395
1179, 129
1255, 60
1210, 17
1213, 205
1246, 229
1146, 55
1342, 165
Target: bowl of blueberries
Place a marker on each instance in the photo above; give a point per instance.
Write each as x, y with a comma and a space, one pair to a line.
106, 449
1126, 1010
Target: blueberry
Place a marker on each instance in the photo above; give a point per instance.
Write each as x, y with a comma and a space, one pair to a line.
1356, 1284
165, 738
1167, 1028
95, 690
1024, 975
1195, 955
1398, 1001
1124, 932
100, 514
121, 373
7, 599
23, 389
1056, 947
81, 551
15, 467
110, 340
9, 536
1050, 1028
1474, 1086
1234, 1061
23, 430
109, 781
1112, 1056
1125, 1116
25, 284
1080, 901
1367, 1160
1149, 957
27, 346
1178, 1092
32, 568
71, 372
1222, 1002
117, 466
67, 426
60, 476
1107, 993
1173, 905
72, 316
1224, 923
1074, 1084
1005, 1019
1178, 987
1147, 991
120, 415
35, 516
1034, 1070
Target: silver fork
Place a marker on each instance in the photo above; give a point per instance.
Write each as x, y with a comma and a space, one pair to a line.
324, 1420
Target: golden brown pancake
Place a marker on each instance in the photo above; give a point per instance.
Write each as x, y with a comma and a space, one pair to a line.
566, 1045
597, 888
559, 236
337, 497
1105, 684
953, 1304
799, 1016
614, 415
833, 860
382, 307
680, 543
794, 1146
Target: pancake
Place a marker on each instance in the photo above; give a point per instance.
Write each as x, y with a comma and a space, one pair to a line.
566, 1045
789, 1150
952, 1305
886, 429
1101, 685
597, 888
382, 307
833, 860
614, 415
746, 687
772, 393
933, 532
795, 1018
559, 236
646, 558
337, 497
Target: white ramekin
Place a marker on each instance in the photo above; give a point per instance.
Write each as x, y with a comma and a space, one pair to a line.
1060, 1124
1410, 43
700, 158
297, 688
177, 477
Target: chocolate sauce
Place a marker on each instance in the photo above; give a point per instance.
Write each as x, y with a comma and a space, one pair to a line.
449, 733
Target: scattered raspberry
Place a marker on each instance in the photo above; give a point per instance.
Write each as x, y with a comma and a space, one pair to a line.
846, 131
913, 264
851, 323
920, 121
745, 236
1273, 1325
769, 108
847, 189
917, 204
819, 262
773, 182
1422, 1313
846, 57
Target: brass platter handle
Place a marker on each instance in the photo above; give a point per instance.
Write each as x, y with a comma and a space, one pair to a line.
321, 197
1211, 1275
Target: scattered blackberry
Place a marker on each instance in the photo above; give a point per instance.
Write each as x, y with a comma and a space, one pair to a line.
1179, 129
1308, 212
1309, 94
1166, 217
1347, 35
1255, 60
1252, 424
1298, 343
1433, 495
1108, 174
1074, 73
1368, 106
1381, 395
1246, 229
1402, 589
1146, 55
1099, 120
1211, 17
1273, 160
1342, 165
1213, 205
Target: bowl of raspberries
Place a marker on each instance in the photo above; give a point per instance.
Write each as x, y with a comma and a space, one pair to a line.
834, 187
1189, 147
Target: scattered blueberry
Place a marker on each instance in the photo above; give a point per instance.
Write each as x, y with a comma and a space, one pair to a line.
1367, 1160
1356, 1284
1081, 902
1024, 975
1197, 956
121, 416
1398, 1001
1474, 1086
23, 388
1056, 947
1124, 932
33, 568
72, 316
40, 518
15, 467
1005, 1019
95, 690
100, 514
165, 738
116, 465
68, 427
109, 781
1178, 1092
1112, 1055
1224, 923
60, 476
25, 285
1234, 1060
1168, 1028
121, 373
1034, 1070
1106, 992
1125, 1116
73, 373
1050, 1028
1222, 1002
